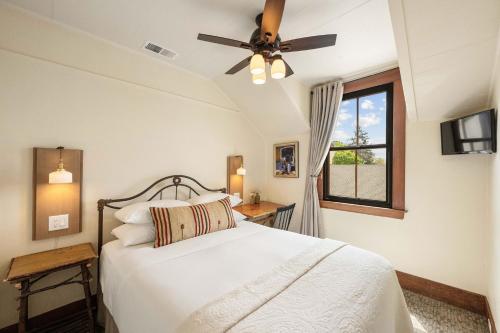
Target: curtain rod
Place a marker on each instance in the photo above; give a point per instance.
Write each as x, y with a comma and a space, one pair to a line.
353, 78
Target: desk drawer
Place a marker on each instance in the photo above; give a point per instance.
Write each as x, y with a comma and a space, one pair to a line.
263, 220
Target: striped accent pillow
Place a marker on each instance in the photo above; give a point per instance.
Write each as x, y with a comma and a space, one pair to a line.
179, 223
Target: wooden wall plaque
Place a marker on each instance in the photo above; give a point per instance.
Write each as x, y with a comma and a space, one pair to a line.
56, 199
234, 182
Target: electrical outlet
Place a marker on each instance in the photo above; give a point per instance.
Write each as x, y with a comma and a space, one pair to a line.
58, 222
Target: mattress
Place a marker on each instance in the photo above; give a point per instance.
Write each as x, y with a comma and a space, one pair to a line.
157, 290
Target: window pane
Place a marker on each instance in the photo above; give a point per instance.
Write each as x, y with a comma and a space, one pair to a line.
372, 174
342, 172
372, 119
345, 129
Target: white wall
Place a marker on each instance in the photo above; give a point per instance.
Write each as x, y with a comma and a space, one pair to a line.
443, 236
130, 134
494, 231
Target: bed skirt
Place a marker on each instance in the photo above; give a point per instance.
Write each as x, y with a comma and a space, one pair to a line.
104, 317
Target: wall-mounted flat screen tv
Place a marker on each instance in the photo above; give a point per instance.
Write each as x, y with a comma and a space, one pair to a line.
471, 134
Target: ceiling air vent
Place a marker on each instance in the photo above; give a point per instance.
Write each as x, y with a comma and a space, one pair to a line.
160, 50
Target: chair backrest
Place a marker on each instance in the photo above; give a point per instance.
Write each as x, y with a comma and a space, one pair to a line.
283, 217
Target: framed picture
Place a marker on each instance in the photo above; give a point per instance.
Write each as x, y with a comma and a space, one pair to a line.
286, 160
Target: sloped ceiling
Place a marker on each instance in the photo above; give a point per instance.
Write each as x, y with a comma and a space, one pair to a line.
363, 26
445, 49
447, 54
365, 41
269, 107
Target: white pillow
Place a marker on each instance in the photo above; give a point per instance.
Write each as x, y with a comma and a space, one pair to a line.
133, 234
139, 212
238, 217
211, 197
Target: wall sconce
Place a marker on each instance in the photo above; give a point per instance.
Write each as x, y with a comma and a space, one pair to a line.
57, 208
235, 173
60, 176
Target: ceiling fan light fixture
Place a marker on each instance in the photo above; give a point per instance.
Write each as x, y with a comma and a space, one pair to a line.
257, 64
259, 78
278, 69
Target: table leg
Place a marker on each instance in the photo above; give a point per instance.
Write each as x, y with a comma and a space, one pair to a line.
23, 307
88, 300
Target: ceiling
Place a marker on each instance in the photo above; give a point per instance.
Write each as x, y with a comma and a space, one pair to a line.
445, 49
365, 39
451, 54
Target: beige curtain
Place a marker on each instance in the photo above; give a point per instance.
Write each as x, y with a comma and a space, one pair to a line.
324, 110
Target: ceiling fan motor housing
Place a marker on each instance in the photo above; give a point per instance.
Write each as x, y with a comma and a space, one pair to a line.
269, 44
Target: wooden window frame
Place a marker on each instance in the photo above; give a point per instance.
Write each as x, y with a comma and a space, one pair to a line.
387, 145
396, 207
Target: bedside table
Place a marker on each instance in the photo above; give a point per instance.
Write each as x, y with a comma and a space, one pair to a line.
261, 213
27, 270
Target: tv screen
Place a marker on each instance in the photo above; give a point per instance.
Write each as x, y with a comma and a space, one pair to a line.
471, 134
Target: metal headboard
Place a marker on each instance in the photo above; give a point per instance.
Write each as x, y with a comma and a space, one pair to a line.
157, 189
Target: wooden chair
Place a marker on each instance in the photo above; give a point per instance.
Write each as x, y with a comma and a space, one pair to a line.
283, 217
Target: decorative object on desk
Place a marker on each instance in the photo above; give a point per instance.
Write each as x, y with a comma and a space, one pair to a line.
60, 176
286, 160
257, 198
235, 174
252, 198
56, 193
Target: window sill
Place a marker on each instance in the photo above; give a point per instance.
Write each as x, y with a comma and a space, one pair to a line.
368, 210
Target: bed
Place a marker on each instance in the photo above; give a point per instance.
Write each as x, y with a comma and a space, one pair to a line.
251, 278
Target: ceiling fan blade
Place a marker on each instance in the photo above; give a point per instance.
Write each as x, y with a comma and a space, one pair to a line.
271, 19
224, 41
308, 43
239, 66
289, 70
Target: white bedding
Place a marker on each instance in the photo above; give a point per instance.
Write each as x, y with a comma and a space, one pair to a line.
157, 290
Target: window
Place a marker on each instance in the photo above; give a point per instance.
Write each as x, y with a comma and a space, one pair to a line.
358, 167
364, 170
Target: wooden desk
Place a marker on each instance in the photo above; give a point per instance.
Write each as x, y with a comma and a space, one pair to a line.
261, 213
27, 270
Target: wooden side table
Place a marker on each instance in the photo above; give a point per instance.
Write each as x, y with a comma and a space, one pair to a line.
27, 270
261, 213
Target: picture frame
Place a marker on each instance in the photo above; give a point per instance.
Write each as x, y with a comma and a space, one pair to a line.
286, 160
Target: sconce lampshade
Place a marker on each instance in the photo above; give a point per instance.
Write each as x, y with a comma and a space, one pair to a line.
60, 176
241, 171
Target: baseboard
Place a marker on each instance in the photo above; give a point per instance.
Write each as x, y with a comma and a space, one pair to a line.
458, 297
489, 315
52, 315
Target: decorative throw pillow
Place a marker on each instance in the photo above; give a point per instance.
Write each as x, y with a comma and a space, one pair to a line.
179, 223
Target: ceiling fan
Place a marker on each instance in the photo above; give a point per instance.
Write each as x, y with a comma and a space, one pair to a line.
266, 45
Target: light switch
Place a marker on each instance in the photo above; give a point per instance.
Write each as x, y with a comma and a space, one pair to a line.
58, 222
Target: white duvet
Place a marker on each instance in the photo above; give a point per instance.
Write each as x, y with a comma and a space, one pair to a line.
162, 290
